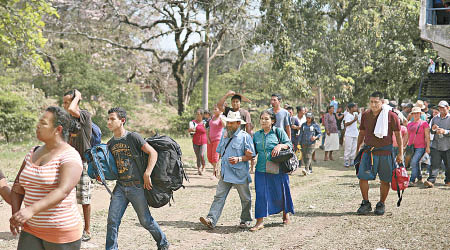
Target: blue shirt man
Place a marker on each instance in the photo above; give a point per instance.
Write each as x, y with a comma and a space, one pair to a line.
334, 103
235, 151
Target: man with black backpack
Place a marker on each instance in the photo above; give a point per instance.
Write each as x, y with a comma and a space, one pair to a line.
235, 150
81, 141
129, 187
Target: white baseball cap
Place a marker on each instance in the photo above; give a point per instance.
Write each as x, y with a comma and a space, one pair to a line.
443, 104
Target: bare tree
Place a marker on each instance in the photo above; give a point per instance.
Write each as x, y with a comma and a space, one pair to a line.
139, 25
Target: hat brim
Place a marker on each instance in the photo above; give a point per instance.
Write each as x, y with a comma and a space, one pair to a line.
233, 120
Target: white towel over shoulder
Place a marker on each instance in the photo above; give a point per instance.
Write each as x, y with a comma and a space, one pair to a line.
381, 128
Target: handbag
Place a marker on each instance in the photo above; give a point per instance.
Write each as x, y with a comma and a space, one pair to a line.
286, 158
409, 151
400, 181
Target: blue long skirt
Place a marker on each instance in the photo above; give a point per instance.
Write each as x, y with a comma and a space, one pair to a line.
273, 194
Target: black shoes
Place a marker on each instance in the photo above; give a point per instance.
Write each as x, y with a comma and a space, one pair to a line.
379, 209
365, 208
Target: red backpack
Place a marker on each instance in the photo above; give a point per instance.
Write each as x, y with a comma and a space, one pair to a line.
400, 181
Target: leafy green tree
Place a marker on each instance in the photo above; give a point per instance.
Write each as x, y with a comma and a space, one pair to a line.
20, 106
101, 88
348, 47
21, 38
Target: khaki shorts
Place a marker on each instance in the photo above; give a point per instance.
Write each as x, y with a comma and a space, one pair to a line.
84, 187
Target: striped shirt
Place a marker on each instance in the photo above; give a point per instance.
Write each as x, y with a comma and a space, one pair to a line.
61, 223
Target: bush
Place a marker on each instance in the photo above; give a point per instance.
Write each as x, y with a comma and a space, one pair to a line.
180, 124
20, 106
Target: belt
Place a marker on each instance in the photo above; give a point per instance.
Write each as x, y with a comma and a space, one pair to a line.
129, 183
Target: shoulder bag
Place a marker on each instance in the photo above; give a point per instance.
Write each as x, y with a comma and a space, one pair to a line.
286, 158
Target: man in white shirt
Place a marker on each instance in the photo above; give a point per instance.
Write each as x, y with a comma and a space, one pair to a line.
351, 134
296, 124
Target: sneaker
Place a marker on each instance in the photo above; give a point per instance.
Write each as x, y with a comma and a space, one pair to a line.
310, 171
244, 224
166, 247
428, 184
365, 208
304, 172
86, 236
411, 184
379, 209
207, 222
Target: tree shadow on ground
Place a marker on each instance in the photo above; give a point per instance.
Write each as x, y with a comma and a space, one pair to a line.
198, 226
356, 184
330, 214
345, 176
201, 186
322, 214
7, 236
437, 185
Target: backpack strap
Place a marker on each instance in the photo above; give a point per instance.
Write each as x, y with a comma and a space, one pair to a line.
226, 146
418, 127
400, 196
276, 133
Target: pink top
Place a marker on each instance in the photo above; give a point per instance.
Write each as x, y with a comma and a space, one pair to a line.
215, 129
200, 133
403, 132
419, 142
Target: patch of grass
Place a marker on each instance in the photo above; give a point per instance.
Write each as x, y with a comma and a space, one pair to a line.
188, 152
12, 155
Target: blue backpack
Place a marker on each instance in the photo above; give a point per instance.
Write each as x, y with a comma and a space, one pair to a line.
96, 137
101, 164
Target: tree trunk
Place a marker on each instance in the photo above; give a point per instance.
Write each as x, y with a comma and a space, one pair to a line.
178, 73
206, 73
206, 80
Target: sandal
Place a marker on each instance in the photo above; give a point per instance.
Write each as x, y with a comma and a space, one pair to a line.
256, 228
86, 236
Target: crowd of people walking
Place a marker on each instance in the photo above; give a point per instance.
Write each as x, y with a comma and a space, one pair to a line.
382, 136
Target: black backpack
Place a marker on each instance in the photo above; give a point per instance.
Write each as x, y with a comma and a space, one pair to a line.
168, 173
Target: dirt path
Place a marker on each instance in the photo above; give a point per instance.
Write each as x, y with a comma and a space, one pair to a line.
325, 204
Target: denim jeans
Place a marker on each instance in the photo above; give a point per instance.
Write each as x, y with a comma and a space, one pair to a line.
436, 163
119, 202
416, 172
222, 190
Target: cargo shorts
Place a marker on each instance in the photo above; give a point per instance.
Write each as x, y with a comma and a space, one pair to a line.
383, 165
84, 187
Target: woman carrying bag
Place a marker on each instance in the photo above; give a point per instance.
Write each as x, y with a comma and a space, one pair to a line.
273, 194
418, 142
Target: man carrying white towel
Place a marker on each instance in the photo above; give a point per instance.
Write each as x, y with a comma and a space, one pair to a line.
378, 157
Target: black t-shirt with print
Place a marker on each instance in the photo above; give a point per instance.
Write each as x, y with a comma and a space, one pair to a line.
121, 148
82, 140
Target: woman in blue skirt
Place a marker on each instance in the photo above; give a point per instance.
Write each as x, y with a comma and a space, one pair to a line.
272, 186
